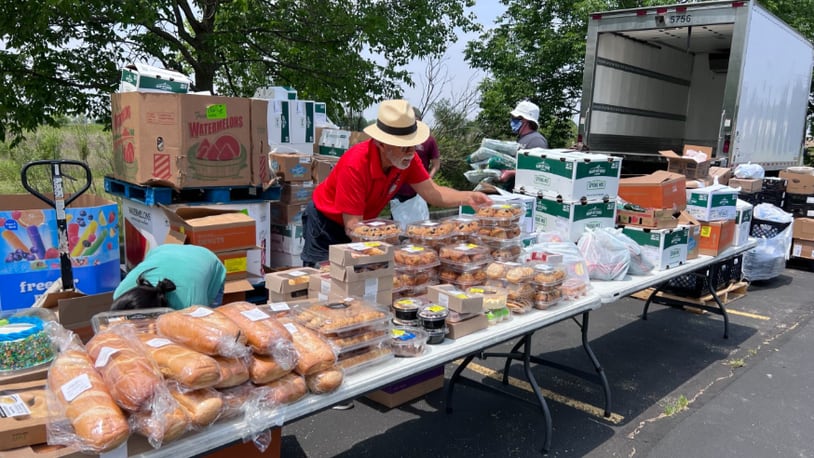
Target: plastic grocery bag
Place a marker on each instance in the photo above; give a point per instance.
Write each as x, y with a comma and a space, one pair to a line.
409, 211
476, 176
639, 263
768, 259
501, 146
748, 171
607, 257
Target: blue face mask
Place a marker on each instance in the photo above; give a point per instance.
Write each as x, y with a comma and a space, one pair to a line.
516, 123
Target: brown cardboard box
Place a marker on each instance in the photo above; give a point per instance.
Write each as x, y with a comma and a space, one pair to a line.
260, 148
803, 228
802, 249
716, 236
183, 140
296, 192
468, 326
75, 310
659, 190
648, 217
747, 184
722, 174
291, 166
455, 299
410, 388
321, 167
360, 272
289, 284
334, 142
44, 450
25, 376
352, 254
284, 214
798, 183
688, 166
216, 229
21, 430
236, 262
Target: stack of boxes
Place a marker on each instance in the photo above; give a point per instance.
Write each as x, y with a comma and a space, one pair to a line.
800, 203
574, 190
363, 269
293, 170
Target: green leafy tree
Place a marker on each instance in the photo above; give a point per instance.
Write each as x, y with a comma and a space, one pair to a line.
62, 57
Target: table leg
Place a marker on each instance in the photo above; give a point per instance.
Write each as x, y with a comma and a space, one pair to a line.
451, 384
599, 370
650, 299
508, 364
536, 388
720, 306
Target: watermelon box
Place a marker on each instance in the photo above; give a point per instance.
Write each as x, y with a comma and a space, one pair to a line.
181, 140
29, 247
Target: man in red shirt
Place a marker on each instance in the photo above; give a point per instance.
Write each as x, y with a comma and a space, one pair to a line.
368, 175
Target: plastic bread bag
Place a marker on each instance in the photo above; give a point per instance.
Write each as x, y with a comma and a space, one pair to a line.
501, 146
163, 422
607, 257
191, 369
501, 161
237, 399
639, 263
290, 388
264, 369
81, 411
748, 170
205, 330
202, 407
261, 413
233, 371
131, 376
572, 260
315, 353
265, 334
325, 381
766, 260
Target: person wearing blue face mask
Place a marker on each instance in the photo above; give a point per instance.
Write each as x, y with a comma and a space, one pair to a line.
524, 123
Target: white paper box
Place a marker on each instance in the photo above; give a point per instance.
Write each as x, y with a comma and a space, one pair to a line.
743, 222
712, 203
664, 248
570, 219
566, 174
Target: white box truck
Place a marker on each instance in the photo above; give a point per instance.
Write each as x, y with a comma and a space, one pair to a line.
724, 74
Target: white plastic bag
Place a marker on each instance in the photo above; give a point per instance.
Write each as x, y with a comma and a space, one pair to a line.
607, 257
411, 210
749, 171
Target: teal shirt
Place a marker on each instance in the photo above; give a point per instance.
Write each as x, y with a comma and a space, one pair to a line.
197, 273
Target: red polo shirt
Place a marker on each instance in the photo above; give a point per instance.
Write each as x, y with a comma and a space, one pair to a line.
358, 186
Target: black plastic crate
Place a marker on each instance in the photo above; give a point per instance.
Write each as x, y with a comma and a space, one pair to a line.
773, 184
766, 229
751, 197
774, 198
720, 275
799, 204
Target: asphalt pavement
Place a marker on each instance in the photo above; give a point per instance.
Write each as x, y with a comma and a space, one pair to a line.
678, 388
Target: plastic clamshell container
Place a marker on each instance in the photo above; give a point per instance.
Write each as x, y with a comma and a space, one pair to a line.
501, 214
429, 230
142, 319
462, 276
404, 279
509, 272
497, 233
410, 291
339, 318
407, 341
497, 315
493, 297
357, 360
407, 308
377, 229
545, 299
362, 338
415, 257
465, 254
436, 336
514, 291
464, 225
433, 316
547, 275
574, 288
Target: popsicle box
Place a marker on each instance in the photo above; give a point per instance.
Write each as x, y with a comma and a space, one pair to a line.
29, 245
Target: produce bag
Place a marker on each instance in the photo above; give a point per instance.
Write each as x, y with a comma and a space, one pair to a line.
748, 171
607, 257
772, 228
501, 146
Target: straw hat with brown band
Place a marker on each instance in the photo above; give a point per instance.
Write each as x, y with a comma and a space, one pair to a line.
396, 125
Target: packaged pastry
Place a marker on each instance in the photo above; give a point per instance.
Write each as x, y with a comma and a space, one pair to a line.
362, 338
412, 291
409, 278
501, 214
509, 272
205, 330
433, 319
494, 297
498, 315
464, 254
508, 250
464, 225
24, 344
383, 230
429, 230
415, 257
407, 341
574, 288
407, 308
359, 359
325, 381
489, 232
315, 354
143, 320
548, 274
340, 317
462, 276
544, 299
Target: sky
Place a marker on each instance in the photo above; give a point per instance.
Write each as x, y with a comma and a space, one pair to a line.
487, 12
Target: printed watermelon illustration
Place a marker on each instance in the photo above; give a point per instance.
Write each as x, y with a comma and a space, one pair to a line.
223, 158
124, 154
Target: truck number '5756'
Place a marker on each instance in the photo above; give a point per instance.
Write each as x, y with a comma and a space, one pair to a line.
680, 19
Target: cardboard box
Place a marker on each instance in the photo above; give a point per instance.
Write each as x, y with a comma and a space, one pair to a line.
280, 259
38, 373
361, 272
213, 228
743, 222
283, 214
146, 78
747, 184
181, 140
19, 424
29, 243
289, 284
287, 238
301, 116
713, 203
276, 93
798, 183
321, 167
296, 192
716, 236
803, 228
802, 248
237, 262
686, 166
568, 175
334, 142
44, 451
75, 310
455, 299
351, 254
569, 219
261, 122
249, 449
378, 290
721, 175
409, 389
693, 233
291, 166
468, 326
664, 248
647, 217
659, 190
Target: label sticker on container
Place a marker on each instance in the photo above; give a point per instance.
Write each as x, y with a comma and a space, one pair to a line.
706, 231
402, 335
200, 312
12, 405
297, 273
216, 111
255, 314
376, 223
797, 250
413, 249
359, 246
104, 356
158, 342
279, 307
291, 328
75, 387
325, 286
436, 308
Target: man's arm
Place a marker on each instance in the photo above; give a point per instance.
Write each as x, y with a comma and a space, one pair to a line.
443, 196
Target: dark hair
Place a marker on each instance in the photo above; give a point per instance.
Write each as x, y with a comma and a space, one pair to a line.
144, 295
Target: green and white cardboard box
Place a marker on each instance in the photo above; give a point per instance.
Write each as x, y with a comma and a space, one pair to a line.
566, 174
743, 222
276, 93
570, 219
527, 221
664, 248
334, 142
146, 78
712, 203
287, 238
320, 115
301, 117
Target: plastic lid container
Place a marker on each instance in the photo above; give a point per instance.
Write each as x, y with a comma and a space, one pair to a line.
404, 279
410, 291
502, 232
408, 341
24, 344
340, 317
493, 297
375, 230
520, 306
573, 288
436, 336
514, 291
464, 224
407, 308
433, 316
545, 299
509, 272
366, 337
360, 359
462, 276
547, 275
415, 257
429, 230
501, 213
142, 319
498, 315
465, 254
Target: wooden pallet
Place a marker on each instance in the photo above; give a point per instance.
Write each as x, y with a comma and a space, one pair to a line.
729, 294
